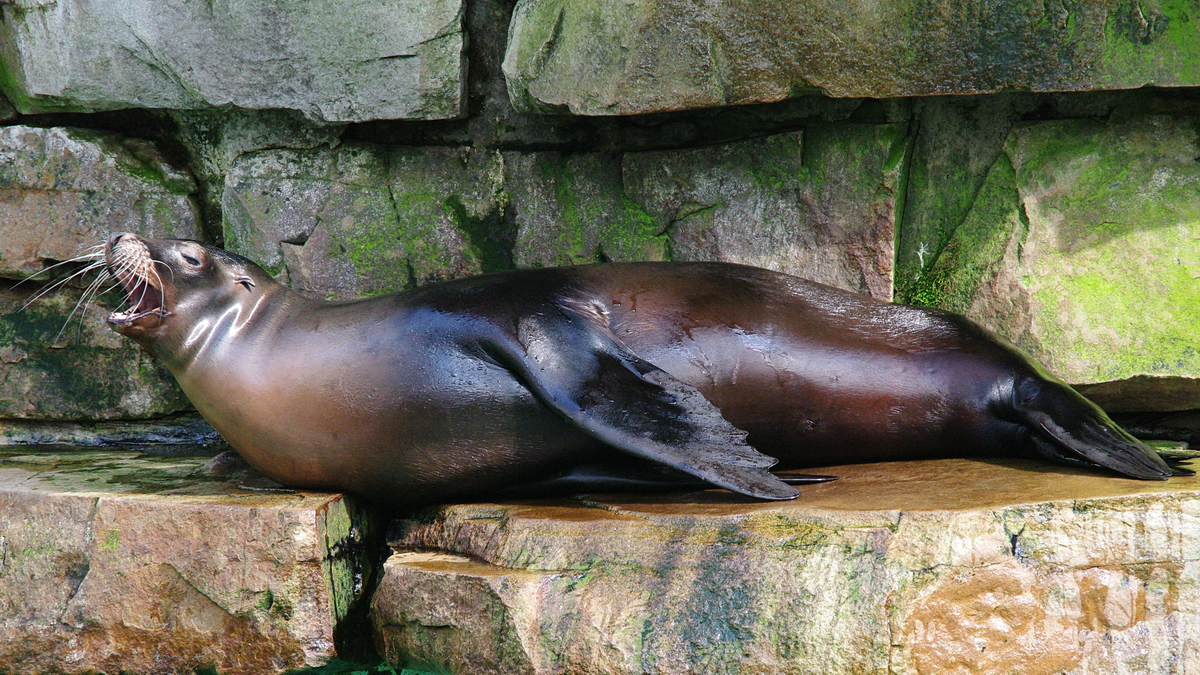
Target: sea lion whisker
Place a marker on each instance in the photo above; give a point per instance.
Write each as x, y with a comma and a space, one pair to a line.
153, 263
90, 289
58, 284
93, 256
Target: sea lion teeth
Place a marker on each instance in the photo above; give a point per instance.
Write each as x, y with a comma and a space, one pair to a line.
603, 377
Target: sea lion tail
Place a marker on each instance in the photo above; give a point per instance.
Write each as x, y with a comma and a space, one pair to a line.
1067, 427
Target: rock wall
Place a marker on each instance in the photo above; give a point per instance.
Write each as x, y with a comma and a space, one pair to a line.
1033, 166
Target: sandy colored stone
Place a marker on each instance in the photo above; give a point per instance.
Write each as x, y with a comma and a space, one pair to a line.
383, 59
118, 561
960, 566
628, 58
1081, 247
63, 190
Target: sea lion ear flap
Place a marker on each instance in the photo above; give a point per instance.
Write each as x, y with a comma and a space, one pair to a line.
573, 363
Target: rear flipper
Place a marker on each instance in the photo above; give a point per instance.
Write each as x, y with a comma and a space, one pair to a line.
1174, 459
640, 478
1066, 427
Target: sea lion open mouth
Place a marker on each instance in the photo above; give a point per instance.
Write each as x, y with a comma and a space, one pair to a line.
130, 261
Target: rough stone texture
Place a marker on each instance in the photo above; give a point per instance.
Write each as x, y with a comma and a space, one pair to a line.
952, 566
382, 59
958, 140
183, 434
63, 190
366, 219
116, 561
57, 367
6, 110
572, 208
1081, 247
821, 204
592, 58
214, 139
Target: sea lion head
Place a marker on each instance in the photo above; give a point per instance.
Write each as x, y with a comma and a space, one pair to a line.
173, 284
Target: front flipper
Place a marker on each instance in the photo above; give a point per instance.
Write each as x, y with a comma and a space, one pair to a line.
569, 358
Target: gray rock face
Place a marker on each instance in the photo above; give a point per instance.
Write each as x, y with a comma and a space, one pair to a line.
816, 204
951, 566
364, 218
63, 190
62, 363
383, 59
572, 208
591, 58
115, 561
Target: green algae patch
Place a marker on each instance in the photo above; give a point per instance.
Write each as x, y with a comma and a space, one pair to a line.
956, 143
1081, 247
365, 219
1113, 215
976, 249
1148, 44
574, 209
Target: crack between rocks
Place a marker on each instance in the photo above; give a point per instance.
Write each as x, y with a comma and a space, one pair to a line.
88, 538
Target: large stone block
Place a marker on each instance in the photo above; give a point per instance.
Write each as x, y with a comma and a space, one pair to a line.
60, 362
572, 208
113, 561
63, 190
1081, 246
592, 58
821, 204
335, 62
951, 566
364, 218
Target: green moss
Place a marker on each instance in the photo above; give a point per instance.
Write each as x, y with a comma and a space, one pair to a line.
1151, 44
598, 220
110, 540
489, 238
975, 249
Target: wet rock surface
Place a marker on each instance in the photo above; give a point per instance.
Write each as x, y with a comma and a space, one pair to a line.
957, 566
123, 561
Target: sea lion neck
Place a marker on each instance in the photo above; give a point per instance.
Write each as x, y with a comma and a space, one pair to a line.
216, 326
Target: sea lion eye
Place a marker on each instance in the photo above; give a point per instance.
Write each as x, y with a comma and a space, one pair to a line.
190, 260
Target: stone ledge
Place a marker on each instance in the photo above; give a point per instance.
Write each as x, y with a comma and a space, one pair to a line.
636, 57
119, 561
955, 566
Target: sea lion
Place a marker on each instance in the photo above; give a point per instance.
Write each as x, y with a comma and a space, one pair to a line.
581, 376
